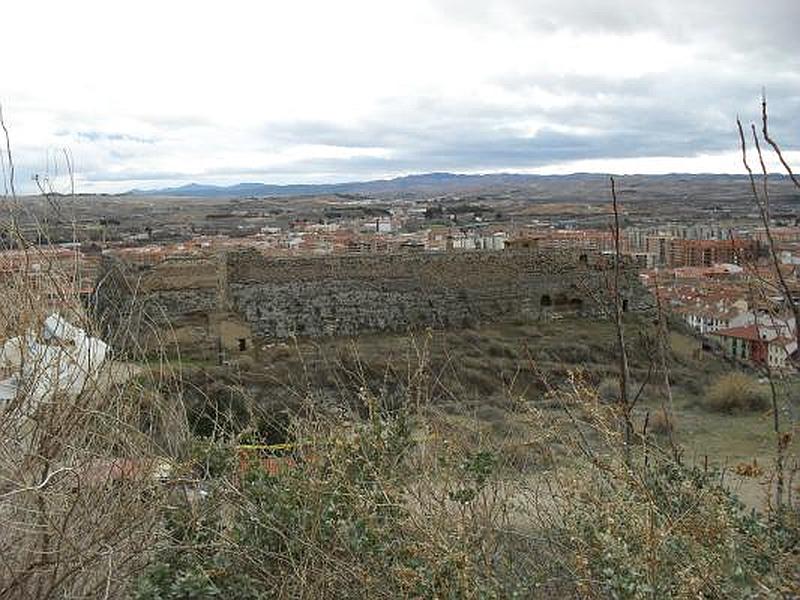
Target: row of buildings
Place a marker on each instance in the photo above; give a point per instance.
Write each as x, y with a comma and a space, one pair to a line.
648, 251
736, 308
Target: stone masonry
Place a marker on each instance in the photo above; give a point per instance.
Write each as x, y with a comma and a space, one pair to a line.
247, 295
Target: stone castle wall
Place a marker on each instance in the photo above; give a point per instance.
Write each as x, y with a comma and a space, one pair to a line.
351, 294
278, 297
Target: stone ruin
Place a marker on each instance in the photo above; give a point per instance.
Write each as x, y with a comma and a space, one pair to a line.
231, 302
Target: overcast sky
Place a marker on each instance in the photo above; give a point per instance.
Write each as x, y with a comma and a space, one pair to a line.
147, 94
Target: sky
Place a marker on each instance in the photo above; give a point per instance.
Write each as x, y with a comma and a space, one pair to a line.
151, 94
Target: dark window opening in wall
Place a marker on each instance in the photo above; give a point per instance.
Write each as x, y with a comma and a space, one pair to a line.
576, 303
546, 301
242, 344
584, 258
625, 305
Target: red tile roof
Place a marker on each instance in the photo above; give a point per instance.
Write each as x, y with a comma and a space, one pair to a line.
747, 332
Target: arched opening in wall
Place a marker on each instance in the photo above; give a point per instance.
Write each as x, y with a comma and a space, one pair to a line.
576, 303
545, 301
624, 305
242, 344
583, 258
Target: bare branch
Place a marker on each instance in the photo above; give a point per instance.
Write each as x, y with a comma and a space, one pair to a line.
9, 156
771, 142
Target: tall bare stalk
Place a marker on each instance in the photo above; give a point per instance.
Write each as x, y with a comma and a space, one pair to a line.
625, 406
762, 202
663, 345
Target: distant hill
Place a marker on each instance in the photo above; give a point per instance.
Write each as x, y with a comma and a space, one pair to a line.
428, 182
442, 183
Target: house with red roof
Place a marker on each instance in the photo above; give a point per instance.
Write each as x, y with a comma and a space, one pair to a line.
766, 344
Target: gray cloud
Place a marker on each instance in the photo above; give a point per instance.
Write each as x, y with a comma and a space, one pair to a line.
652, 116
768, 26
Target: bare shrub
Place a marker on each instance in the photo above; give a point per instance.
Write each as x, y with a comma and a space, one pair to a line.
83, 443
608, 390
661, 424
736, 392
79, 468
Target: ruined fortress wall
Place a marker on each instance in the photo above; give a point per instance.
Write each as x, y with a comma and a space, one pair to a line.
278, 297
178, 289
145, 307
181, 274
347, 294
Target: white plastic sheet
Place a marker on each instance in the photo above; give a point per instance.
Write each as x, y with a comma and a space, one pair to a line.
59, 360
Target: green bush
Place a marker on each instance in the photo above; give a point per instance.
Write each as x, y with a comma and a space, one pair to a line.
393, 504
339, 524
673, 532
736, 392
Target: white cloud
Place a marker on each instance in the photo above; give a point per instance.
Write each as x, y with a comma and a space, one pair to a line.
726, 162
177, 91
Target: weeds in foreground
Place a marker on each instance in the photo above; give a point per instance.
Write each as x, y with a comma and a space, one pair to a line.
398, 505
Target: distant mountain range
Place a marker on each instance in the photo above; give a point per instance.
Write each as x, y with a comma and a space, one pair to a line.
427, 183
